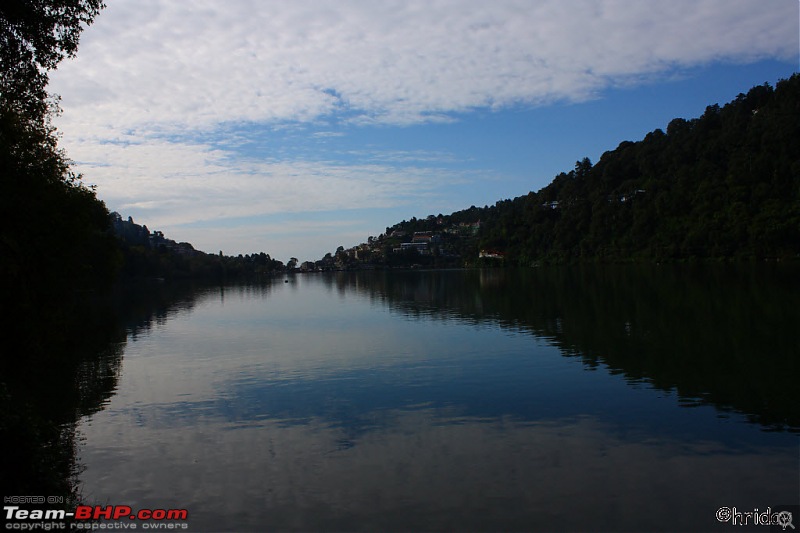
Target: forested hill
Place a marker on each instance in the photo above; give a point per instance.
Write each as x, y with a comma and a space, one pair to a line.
724, 185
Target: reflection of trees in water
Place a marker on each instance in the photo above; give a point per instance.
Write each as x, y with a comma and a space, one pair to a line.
719, 335
715, 334
70, 369
64, 366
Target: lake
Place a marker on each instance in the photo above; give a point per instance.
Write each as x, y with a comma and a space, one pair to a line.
569, 399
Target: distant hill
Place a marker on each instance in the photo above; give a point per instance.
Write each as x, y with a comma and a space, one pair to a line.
146, 254
723, 186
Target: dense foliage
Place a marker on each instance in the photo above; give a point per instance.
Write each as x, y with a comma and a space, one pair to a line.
55, 243
34, 37
725, 185
149, 254
55, 232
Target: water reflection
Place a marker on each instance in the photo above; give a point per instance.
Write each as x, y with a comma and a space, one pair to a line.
444, 401
62, 364
715, 334
434, 469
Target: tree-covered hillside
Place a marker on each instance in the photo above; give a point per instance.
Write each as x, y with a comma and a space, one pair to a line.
55, 239
724, 185
55, 232
149, 254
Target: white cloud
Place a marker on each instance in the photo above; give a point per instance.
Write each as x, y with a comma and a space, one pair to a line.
198, 64
280, 238
169, 184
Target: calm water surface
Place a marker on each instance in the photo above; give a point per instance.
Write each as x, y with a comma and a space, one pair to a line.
570, 400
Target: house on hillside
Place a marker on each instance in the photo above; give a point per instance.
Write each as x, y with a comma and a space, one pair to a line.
491, 254
422, 236
420, 247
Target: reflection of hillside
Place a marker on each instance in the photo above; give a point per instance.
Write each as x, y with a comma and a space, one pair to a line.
69, 370
714, 334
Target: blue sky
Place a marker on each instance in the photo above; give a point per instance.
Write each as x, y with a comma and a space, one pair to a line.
295, 127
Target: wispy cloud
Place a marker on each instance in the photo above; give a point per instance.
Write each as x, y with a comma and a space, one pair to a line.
179, 183
157, 62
